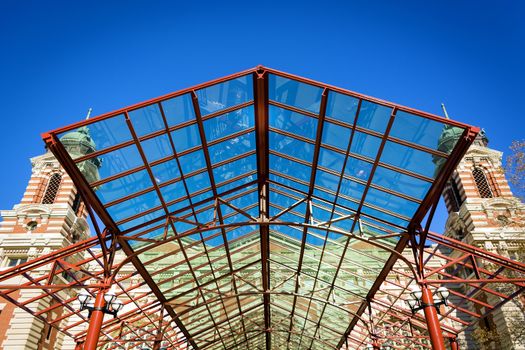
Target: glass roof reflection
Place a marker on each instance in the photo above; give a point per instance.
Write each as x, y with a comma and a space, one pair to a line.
225, 182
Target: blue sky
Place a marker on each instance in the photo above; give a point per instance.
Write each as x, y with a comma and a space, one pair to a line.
60, 58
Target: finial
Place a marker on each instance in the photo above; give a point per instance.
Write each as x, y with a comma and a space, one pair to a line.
89, 113
444, 110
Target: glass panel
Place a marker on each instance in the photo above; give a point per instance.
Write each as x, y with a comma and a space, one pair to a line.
291, 147
373, 116
198, 182
178, 109
326, 180
292, 184
401, 183
230, 93
294, 169
192, 162
173, 191
423, 131
352, 189
292, 122
410, 159
233, 169
358, 168
134, 206
96, 136
185, 138
365, 145
331, 160
391, 203
146, 120
229, 123
342, 107
232, 147
235, 184
123, 186
143, 219
113, 163
157, 148
336, 136
166, 171
294, 93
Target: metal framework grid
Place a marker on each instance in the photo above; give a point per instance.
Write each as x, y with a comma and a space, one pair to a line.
263, 210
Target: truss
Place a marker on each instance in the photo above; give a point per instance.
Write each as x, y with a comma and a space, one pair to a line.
264, 210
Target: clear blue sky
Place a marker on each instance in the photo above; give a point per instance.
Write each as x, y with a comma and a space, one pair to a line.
58, 58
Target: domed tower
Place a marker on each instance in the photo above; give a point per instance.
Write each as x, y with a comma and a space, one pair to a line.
482, 211
50, 216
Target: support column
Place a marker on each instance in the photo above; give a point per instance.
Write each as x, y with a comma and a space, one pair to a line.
431, 316
454, 344
95, 322
375, 345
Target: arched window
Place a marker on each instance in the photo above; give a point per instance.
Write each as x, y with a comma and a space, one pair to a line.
454, 196
482, 184
52, 189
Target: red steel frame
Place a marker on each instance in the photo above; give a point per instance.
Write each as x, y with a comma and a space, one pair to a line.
357, 333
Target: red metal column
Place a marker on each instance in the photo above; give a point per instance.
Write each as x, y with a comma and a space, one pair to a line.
454, 344
95, 322
375, 345
431, 316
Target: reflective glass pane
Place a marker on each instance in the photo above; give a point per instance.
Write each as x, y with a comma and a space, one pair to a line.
96, 136
423, 131
294, 169
290, 183
142, 219
123, 186
233, 169
229, 123
366, 145
391, 203
326, 180
166, 171
409, 158
292, 122
292, 147
134, 206
192, 162
330, 159
178, 109
401, 183
186, 138
230, 93
146, 120
358, 168
342, 107
157, 148
112, 163
173, 191
373, 116
294, 93
335, 135
232, 147
198, 182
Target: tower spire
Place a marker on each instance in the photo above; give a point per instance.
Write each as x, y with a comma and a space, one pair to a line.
444, 110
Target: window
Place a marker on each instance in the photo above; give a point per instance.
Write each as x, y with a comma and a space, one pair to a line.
454, 197
14, 261
482, 184
52, 189
77, 204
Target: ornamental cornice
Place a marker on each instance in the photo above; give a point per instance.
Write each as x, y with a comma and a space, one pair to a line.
500, 203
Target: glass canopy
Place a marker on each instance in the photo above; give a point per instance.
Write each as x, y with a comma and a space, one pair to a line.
263, 209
